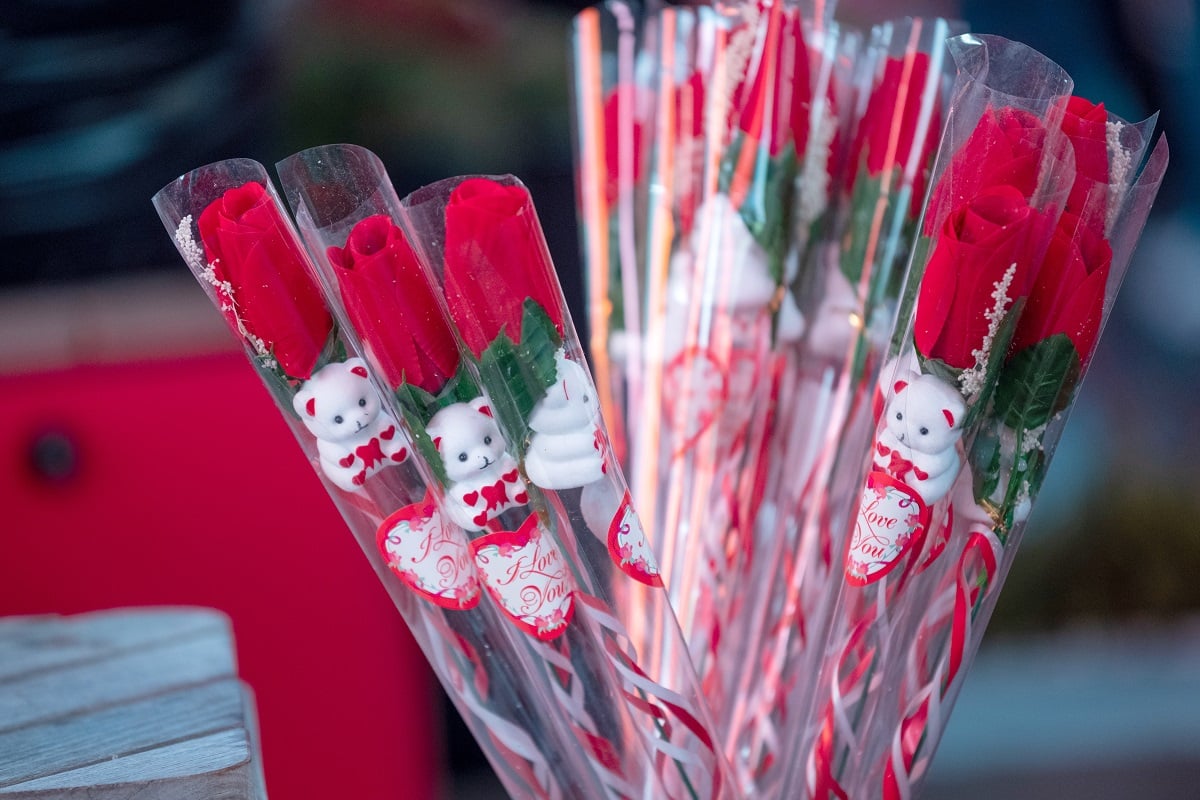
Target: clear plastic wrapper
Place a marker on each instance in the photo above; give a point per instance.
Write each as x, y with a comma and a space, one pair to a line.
531, 400
964, 357
232, 232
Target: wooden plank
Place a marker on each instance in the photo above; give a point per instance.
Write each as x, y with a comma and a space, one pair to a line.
125, 704
35, 644
126, 676
116, 732
206, 768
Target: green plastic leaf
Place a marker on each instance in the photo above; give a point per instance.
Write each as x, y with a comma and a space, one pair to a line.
863, 202
418, 406
517, 376
1036, 382
985, 464
908, 299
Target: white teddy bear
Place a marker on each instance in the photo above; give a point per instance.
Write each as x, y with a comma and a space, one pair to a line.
919, 441
356, 437
483, 477
566, 449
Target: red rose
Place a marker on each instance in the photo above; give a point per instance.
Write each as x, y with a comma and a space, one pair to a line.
894, 109
268, 289
1068, 294
979, 242
801, 85
1005, 149
496, 257
622, 100
1086, 125
393, 307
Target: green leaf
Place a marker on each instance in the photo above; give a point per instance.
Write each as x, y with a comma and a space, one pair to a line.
908, 299
281, 387
517, 376
863, 202
616, 297
939, 369
985, 464
418, 406
422, 440
1037, 382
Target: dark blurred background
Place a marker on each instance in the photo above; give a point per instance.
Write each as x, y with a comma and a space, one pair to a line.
1087, 684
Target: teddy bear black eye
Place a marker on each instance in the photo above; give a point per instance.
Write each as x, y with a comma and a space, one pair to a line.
924, 431
899, 415
487, 440
362, 402
462, 456
338, 420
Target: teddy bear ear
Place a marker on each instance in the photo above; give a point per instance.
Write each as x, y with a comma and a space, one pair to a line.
310, 407
359, 371
899, 386
480, 405
437, 443
303, 401
949, 415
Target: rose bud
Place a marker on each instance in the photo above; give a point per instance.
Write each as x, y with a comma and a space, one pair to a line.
263, 281
393, 306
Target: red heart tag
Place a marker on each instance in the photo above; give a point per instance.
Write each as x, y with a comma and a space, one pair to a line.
431, 555
526, 574
892, 520
628, 547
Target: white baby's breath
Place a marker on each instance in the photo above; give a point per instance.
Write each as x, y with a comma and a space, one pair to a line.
1120, 170
193, 256
738, 52
814, 177
1032, 439
972, 379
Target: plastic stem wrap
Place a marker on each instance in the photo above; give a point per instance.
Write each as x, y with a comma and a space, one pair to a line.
824, 402
1035, 391
1003, 176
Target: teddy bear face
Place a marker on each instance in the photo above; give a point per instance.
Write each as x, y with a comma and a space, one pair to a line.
925, 415
338, 402
468, 440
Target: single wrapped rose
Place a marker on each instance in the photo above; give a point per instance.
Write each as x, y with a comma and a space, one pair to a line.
262, 279
894, 108
1068, 294
1004, 149
622, 100
393, 306
987, 245
1086, 125
764, 102
495, 259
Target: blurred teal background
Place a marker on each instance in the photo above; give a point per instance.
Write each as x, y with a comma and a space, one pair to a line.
1087, 682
